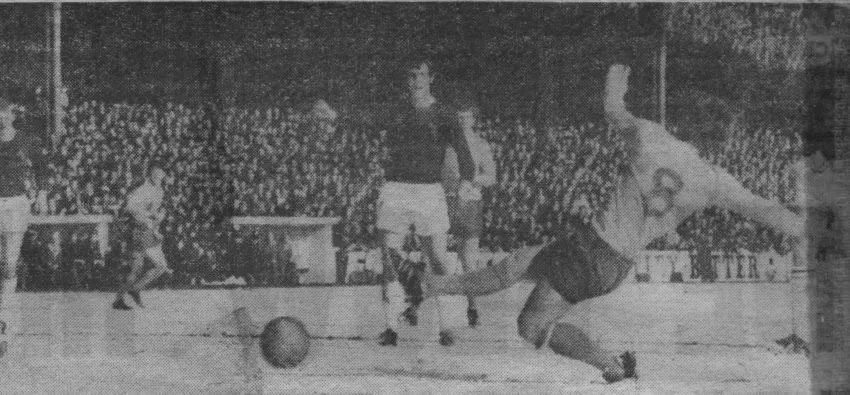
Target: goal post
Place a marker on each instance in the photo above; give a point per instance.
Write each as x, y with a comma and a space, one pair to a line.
310, 240
100, 223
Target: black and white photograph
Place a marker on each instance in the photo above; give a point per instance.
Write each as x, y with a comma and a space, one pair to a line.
424, 197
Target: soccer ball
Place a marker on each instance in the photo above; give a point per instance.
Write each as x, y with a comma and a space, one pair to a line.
284, 342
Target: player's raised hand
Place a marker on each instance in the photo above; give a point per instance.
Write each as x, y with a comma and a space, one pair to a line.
616, 86
617, 82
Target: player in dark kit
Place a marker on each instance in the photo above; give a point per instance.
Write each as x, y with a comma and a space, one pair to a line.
417, 136
666, 182
19, 153
466, 208
144, 205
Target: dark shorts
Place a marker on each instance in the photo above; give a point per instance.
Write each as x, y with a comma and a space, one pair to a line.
466, 217
143, 238
579, 265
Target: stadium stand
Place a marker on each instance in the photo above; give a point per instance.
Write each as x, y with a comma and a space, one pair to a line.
278, 162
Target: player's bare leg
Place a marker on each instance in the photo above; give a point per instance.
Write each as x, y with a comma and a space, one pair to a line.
393, 295
538, 324
468, 256
10, 248
160, 267
136, 265
497, 277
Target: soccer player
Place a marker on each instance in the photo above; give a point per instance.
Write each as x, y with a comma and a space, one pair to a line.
466, 210
144, 205
416, 141
667, 181
19, 153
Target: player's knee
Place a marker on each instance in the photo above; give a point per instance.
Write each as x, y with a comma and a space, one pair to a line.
6, 271
393, 241
392, 256
531, 331
506, 275
438, 267
160, 264
391, 260
157, 257
393, 291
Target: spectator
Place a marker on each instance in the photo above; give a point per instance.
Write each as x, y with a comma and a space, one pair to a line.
262, 161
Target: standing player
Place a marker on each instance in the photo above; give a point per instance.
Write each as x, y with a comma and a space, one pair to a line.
416, 142
144, 205
466, 210
19, 152
667, 181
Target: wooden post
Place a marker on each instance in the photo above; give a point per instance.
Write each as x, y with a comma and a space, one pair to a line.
828, 231
54, 65
662, 66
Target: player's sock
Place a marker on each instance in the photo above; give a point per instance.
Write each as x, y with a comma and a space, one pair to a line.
120, 304
472, 317
7, 290
411, 315
8, 309
571, 342
472, 313
137, 297
9, 315
394, 304
446, 339
450, 309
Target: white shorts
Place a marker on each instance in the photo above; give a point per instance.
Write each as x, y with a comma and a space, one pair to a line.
14, 214
421, 205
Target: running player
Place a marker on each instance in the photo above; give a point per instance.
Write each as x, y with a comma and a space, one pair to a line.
417, 137
144, 205
667, 181
466, 210
19, 152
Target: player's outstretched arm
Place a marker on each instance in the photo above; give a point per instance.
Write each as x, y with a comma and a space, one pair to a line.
728, 193
484, 281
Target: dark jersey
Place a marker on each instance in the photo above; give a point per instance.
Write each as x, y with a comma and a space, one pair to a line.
417, 141
17, 157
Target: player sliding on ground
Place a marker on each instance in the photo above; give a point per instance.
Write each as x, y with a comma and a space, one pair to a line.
19, 152
144, 207
666, 182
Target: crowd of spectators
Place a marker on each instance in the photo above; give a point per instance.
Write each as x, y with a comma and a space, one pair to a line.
763, 161
277, 162
541, 176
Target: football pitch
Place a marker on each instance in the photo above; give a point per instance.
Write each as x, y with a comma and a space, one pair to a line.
689, 338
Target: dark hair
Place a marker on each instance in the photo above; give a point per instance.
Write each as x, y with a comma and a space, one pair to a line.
5, 103
414, 61
153, 165
465, 102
